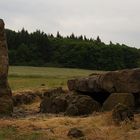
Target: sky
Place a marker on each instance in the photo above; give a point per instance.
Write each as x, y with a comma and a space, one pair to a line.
112, 20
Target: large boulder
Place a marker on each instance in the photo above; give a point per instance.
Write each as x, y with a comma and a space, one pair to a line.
6, 106
53, 101
123, 81
122, 113
82, 105
53, 104
70, 104
124, 98
88, 84
53, 92
25, 98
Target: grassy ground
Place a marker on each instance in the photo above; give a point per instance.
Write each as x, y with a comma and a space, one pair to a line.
48, 127
36, 126
21, 78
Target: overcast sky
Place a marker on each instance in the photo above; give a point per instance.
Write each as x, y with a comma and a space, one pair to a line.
115, 20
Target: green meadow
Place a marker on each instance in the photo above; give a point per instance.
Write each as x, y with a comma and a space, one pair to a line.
24, 78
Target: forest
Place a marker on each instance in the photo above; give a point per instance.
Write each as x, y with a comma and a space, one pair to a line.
41, 49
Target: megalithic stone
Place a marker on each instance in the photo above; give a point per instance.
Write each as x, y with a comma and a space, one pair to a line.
6, 104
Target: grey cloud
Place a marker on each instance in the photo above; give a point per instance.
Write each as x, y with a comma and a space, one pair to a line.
112, 20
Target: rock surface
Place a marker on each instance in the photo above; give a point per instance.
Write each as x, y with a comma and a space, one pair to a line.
6, 107
123, 98
123, 81
76, 133
82, 105
70, 104
53, 92
122, 113
27, 98
53, 105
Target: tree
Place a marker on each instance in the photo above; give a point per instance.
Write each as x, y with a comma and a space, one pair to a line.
98, 39
58, 35
23, 53
40, 49
72, 36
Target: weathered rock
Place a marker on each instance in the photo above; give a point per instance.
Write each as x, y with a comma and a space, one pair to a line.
123, 81
53, 101
76, 133
82, 105
122, 113
6, 106
46, 105
70, 104
88, 84
123, 98
137, 101
53, 104
24, 98
54, 92
59, 104
72, 110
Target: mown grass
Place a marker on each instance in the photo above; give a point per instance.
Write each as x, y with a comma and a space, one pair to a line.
22, 78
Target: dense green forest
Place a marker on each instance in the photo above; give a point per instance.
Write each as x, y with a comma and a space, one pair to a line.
41, 49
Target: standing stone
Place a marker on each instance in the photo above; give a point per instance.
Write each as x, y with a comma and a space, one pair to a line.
6, 104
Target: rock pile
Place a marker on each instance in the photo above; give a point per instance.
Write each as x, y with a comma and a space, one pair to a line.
95, 93
70, 104
110, 88
6, 104
25, 98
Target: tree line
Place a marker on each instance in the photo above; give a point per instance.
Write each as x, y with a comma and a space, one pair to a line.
41, 49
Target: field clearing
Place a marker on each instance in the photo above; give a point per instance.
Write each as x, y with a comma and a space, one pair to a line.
24, 78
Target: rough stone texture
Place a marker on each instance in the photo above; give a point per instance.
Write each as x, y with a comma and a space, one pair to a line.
122, 113
124, 98
45, 105
82, 105
53, 104
123, 81
53, 92
6, 106
70, 104
88, 84
24, 98
137, 100
76, 133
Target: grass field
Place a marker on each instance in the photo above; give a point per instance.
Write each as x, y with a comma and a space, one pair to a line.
22, 78
97, 126
51, 127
